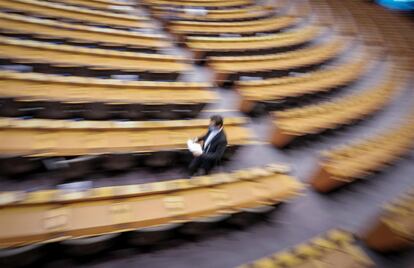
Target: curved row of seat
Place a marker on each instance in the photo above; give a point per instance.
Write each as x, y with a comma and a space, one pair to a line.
52, 216
47, 138
112, 145
275, 90
104, 5
235, 14
394, 228
376, 25
265, 25
292, 123
68, 97
191, 32
164, 67
252, 45
204, 4
24, 25
347, 163
336, 248
232, 68
64, 11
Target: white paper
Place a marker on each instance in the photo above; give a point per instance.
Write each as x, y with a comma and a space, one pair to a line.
194, 147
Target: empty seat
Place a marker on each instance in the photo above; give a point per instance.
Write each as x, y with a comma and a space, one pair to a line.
120, 161
89, 245
53, 110
16, 165
152, 235
247, 216
76, 167
20, 256
96, 111
11, 108
201, 226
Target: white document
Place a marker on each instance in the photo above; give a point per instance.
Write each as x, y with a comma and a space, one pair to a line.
194, 147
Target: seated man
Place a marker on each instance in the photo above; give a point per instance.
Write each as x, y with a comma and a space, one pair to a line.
214, 145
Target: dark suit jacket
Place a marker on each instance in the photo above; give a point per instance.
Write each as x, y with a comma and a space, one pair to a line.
215, 150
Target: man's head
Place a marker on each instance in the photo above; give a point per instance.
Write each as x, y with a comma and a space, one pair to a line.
216, 122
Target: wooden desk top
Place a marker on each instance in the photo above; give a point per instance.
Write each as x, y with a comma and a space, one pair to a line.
54, 216
63, 138
64, 11
44, 52
38, 26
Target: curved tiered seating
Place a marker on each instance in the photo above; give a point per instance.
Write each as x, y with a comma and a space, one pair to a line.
394, 229
357, 160
232, 68
218, 46
163, 140
52, 216
278, 89
234, 14
313, 119
336, 248
375, 25
204, 4
76, 13
24, 25
66, 97
155, 66
266, 25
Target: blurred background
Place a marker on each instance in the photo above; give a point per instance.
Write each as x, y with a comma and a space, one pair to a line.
99, 97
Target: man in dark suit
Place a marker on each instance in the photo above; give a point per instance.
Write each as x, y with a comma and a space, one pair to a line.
214, 144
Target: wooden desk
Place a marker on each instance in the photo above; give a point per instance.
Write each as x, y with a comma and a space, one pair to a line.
65, 54
273, 89
63, 11
229, 68
77, 89
272, 24
357, 160
24, 24
50, 138
46, 216
205, 45
313, 119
